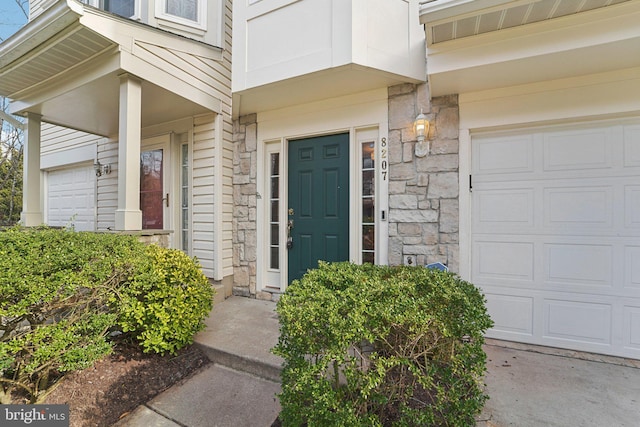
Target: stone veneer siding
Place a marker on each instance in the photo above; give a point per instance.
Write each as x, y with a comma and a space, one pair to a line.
245, 158
423, 192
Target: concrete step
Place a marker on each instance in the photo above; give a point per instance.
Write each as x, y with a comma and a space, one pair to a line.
239, 387
239, 334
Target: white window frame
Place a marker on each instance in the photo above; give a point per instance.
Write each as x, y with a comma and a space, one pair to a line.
200, 24
99, 4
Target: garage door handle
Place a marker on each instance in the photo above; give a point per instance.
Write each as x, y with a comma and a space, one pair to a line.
166, 200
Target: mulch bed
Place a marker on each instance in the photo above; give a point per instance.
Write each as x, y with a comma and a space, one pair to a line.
114, 386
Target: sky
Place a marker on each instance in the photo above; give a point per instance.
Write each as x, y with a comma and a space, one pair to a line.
11, 18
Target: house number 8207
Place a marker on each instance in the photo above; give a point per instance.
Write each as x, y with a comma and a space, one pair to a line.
384, 165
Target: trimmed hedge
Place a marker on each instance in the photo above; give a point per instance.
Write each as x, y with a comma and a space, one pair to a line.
63, 292
368, 345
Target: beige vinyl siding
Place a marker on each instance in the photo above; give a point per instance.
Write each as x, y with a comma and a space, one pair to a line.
57, 139
107, 193
203, 190
36, 7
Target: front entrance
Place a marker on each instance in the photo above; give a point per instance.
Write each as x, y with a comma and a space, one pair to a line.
318, 196
154, 185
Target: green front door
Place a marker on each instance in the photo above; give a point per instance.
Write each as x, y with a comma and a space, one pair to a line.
318, 202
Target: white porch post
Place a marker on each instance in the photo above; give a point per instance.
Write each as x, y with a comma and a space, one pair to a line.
32, 177
128, 214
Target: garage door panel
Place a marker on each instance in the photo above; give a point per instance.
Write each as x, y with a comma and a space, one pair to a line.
632, 206
504, 260
631, 329
572, 150
504, 208
577, 321
632, 270
579, 263
578, 206
632, 146
505, 155
511, 314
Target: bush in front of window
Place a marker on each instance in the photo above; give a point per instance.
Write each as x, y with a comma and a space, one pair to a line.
380, 346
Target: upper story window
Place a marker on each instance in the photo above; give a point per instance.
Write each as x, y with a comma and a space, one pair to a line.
187, 9
126, 8
186, 12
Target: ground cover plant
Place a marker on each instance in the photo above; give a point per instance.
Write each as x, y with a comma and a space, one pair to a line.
63, 293
380, 346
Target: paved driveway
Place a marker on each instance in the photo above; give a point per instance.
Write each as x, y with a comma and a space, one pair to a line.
533, 389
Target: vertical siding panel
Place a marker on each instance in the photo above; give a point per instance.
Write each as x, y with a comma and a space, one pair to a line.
203, 190
108, 185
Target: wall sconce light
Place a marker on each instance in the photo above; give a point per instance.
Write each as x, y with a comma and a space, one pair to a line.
101, 169
421, 126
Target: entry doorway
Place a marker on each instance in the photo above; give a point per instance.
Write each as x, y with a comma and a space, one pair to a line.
155, 194
318, 202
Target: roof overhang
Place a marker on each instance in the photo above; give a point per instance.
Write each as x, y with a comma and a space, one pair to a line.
329, 83
65, 66
472, 46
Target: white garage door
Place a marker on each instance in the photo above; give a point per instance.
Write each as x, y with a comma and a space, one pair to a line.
556, 236
71, 198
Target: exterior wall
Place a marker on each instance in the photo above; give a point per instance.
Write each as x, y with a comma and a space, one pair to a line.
423, 206
245, 158
148, 12
423, 192
377, 34
203, 189
107, 187
62, 146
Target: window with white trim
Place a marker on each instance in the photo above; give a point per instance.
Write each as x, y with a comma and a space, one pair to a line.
184, 196
368, 222
125, 8
186, 12
274, 208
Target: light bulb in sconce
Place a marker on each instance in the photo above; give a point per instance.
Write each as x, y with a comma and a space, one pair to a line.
421, 126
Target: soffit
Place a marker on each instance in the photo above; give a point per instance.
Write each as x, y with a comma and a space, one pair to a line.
69, 49
600, 40
455, 19
65, 66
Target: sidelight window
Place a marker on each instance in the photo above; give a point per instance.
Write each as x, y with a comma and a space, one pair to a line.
368, 222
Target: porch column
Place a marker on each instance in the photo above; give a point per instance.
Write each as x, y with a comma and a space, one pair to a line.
31, 215
128, 214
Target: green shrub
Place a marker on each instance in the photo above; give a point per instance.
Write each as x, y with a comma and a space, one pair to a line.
373, 345
60, 295
54, 285
165, 301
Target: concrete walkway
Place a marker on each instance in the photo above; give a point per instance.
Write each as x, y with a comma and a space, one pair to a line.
526, 388
239, 387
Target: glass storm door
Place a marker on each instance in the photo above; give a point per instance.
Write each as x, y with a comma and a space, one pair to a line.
318, 197
154, 199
